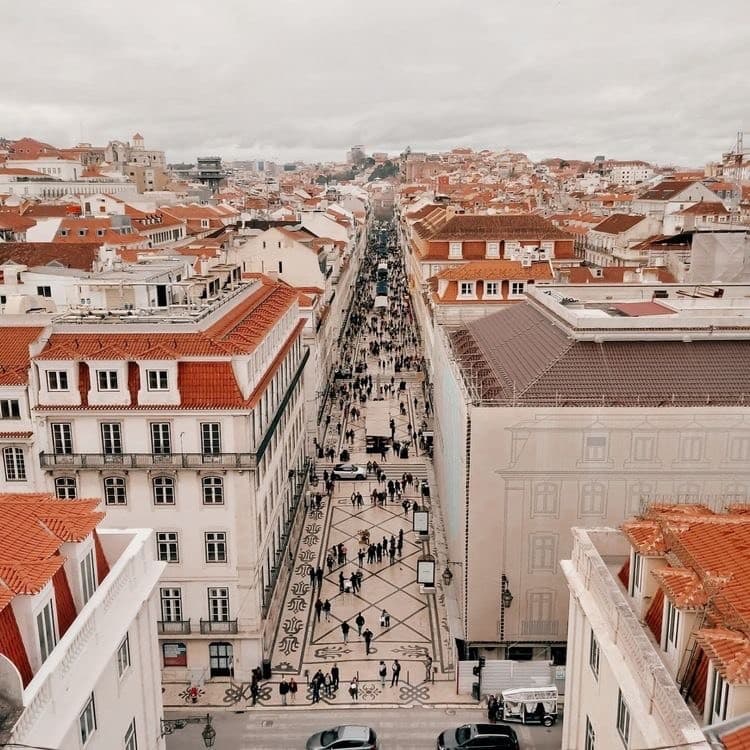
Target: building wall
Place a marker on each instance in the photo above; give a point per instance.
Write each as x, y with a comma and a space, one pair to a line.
533, 477
85, 659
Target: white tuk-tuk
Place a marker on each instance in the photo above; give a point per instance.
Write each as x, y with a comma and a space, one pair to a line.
530, 705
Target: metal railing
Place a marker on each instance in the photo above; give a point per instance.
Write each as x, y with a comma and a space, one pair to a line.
168, 627
147, 460
209, 627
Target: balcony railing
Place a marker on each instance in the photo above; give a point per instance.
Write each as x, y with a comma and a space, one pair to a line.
209, 627
168, 627
147, 460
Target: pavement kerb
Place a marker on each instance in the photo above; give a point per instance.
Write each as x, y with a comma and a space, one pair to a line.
354, 706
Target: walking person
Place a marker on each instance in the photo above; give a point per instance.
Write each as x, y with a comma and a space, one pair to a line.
395, 672
328, 683
354, 689
359, 622
283, 690
292, 690
382, 671
428, 668
327, 610
312, 576
360, 557
345, 627
318, 609
335, 676
367, 635
319, 576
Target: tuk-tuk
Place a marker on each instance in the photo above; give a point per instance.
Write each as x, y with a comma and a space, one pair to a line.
529, 705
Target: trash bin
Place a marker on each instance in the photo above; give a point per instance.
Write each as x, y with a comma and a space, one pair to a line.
266, 666
475, 690
425, 489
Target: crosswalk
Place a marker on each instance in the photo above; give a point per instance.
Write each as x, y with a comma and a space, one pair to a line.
393, 469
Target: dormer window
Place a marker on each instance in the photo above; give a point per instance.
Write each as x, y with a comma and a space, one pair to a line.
491, 288
455, 250
466, 289
205, 223
517, 288
493, 249
158, 380
82, 232
57, 380
46, 630
63, 233
100, 233
107, 380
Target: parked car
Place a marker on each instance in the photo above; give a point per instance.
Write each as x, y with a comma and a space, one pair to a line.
349, 471
348, 736
485, 736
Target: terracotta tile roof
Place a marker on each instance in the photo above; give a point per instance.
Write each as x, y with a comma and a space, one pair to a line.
16, 222
729, 651
645, 536
552, 368
34, 528
705, 208
496, 270
482, 227
617, 223
19, 435
666, 189
611, 275
737, 739
683, 587
14, 352
74, 254
237, 332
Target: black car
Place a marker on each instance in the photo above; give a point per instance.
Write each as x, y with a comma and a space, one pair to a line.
485, 736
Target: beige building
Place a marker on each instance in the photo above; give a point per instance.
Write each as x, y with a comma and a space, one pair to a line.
568, 410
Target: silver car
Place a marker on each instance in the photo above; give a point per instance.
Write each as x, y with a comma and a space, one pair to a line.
349, 737
349, 471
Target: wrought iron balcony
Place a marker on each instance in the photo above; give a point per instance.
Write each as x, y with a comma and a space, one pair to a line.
169, 627
209, 627
147, 460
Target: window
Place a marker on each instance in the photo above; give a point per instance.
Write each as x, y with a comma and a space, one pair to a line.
106, 380
454, 250
157, 380
539, 607
161, 443
163, 490
44, 291
87, 720
167, 546
114, 491
45, 625
545, 501
593, 499
719, 697
623, 718
673, 626
634, 583
281, 267
491, 288
171, 605
594, 655
62, 438
65, 488
123, 656
131, 739
218, 604
216, 546
57, 380
15, 466
517, 288
466, 288
590, 736
691, 448
111, 438
643, 448
543, 553
213, 491
493, 249
739, 448
10, 408
595, 448
210, 438
88, 576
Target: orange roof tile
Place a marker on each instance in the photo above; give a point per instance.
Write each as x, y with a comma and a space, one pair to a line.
497, 269
683, 587
14, 353
729, 652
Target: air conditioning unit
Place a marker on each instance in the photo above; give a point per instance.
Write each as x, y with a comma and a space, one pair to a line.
526, 262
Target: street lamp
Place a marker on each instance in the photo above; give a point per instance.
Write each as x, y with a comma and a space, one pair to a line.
506, 596
169, 726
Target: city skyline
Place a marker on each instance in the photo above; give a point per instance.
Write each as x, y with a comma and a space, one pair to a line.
430, 76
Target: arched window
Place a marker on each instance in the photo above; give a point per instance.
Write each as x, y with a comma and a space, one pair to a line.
114, 491
14, 464
213, 491
65, 488
163, 490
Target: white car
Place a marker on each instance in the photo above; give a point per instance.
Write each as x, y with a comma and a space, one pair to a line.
349, 471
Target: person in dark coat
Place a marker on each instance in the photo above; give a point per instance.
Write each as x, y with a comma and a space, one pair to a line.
359, 622
367, 635
318, 609
319, 576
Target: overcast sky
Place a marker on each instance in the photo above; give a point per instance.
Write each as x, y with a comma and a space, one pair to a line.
665, 80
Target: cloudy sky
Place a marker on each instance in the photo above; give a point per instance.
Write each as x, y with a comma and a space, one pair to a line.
665, 80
